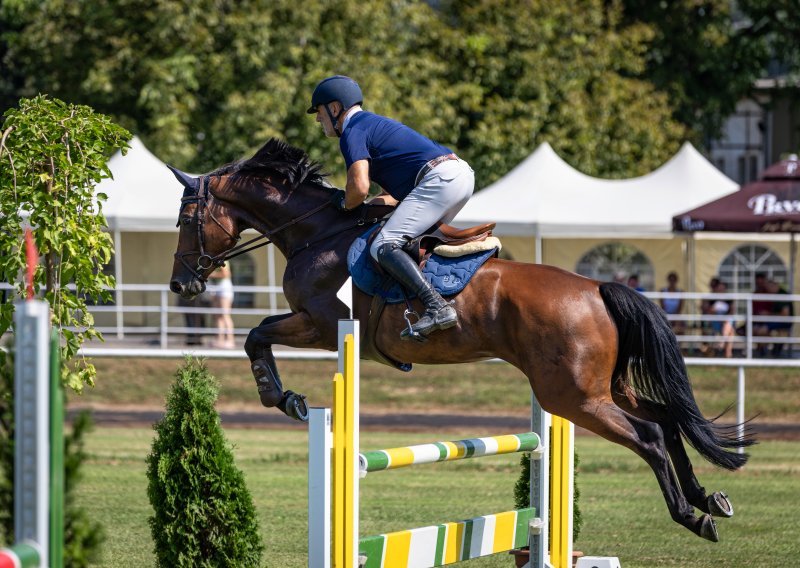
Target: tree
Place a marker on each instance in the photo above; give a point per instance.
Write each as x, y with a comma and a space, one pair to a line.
704, 60
772, 27
491, 79
51, 156
203, 514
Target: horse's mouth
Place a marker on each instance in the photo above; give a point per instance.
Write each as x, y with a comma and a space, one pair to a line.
188, 291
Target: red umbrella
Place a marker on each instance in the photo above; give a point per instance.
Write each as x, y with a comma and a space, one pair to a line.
769, 205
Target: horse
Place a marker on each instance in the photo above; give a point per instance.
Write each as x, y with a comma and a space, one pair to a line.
598, 354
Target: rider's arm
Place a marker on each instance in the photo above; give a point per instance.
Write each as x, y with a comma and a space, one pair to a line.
383, 198
357, 187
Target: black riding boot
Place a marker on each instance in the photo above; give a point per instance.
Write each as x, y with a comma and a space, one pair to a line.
438, 313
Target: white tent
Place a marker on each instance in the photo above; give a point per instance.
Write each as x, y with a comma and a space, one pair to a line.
143, 194
546, 197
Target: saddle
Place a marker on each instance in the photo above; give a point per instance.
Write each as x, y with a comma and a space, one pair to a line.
442, 239
449, 241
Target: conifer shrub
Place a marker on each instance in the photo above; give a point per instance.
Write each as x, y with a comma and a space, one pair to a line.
522, 492
203, 512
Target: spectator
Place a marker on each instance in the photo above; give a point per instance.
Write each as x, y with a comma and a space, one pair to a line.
761, 307
766, 328
221, 286
673, 306
724, 325
633, 282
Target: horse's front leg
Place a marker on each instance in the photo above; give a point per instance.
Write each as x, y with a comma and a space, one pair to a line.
292, 330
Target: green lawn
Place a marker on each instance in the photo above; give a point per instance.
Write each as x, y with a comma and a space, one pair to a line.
624, 513
486, 388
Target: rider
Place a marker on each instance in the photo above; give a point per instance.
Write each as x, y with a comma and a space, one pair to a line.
431, 183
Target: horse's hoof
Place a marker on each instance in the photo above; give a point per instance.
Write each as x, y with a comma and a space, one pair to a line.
708, 528
294, 406
720, 505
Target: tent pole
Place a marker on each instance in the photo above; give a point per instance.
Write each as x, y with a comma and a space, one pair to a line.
538, 247
690, 261
792, 255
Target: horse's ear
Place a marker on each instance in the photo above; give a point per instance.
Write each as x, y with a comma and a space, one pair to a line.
186, 180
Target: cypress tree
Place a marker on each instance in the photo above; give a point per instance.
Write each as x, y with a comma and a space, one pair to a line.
203, 512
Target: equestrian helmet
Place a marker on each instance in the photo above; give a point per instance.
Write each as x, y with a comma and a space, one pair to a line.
336, 88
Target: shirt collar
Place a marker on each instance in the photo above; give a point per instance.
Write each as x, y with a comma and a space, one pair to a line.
350, 114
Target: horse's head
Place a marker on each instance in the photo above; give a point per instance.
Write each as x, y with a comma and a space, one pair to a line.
208, 231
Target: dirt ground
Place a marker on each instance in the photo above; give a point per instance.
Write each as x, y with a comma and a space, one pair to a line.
406, 422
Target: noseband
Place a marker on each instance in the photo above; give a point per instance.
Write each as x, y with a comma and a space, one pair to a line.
201, 195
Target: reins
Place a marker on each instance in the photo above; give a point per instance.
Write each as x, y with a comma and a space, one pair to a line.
206, 262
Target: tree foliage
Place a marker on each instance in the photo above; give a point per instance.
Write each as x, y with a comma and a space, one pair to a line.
613, 85
207, 82
203, 512
698, 58
51, 156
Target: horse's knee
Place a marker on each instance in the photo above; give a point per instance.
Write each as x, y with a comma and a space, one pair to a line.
254, 344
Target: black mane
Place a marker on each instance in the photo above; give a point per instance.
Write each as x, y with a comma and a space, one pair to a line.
276, 156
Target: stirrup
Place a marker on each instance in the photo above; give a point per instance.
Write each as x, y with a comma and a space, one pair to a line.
414, 331
294, 406
409, 332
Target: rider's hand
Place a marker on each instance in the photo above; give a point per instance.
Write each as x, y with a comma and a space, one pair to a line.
338, 200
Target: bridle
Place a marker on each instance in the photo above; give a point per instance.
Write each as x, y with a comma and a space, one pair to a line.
201, 195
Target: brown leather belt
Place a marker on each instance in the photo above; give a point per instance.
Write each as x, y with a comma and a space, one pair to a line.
432, 164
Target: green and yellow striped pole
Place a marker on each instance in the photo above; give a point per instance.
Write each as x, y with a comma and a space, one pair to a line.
394, 458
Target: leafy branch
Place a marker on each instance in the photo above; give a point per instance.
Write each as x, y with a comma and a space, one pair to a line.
56, 153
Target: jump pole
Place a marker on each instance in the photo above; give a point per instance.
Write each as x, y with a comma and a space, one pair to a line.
348, 465
39, 447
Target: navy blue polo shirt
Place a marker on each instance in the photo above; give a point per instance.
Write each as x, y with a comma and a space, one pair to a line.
395, 152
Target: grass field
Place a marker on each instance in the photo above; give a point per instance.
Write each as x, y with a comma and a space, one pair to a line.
624, 513
773, 395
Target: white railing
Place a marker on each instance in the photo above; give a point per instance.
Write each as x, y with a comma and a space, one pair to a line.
746, 341
153, 314
146, 316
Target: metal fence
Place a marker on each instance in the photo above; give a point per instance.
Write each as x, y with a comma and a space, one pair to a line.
151, 317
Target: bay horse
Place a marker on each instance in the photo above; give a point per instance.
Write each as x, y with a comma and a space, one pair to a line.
598, 354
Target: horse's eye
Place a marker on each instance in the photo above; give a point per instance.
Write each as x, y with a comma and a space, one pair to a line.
186, 220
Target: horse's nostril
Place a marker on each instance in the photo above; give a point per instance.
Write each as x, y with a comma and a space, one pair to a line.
176, 286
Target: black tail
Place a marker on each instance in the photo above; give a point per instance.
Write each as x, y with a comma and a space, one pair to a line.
650, 361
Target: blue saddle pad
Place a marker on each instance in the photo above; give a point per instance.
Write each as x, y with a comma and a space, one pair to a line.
447, 275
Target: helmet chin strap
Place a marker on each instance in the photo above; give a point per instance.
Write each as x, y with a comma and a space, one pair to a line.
334, 120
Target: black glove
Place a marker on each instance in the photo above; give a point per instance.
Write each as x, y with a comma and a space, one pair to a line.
338, 200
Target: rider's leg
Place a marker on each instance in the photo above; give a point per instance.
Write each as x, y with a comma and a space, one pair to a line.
438, 313
440, 195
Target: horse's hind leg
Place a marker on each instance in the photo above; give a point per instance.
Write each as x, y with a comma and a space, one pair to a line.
293, 330
647, 440
715, 504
